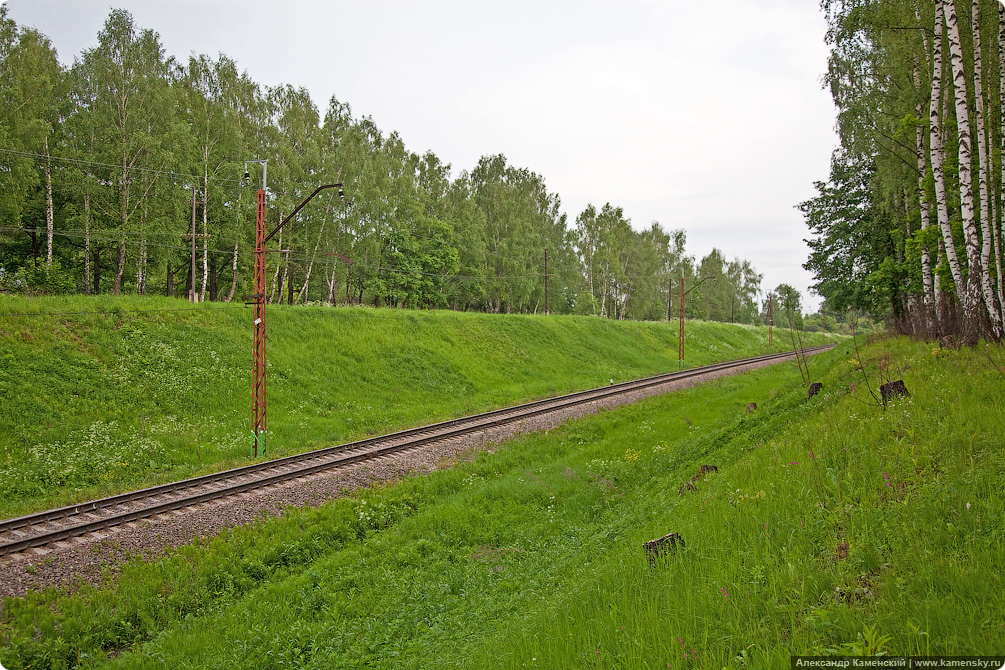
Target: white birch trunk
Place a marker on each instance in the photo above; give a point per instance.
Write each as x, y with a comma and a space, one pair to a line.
937, 148
987, 292
307, 277
87, 242
972, 294
926, 216
331, 284
205, 239
48, 205
233, 283
1001, 208
275, 277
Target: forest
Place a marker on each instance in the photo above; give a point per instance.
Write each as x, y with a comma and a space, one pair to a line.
125, 172
910, 221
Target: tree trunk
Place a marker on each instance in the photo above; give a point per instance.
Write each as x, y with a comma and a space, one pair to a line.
205, 233
926, 215
310, 266
87, 242
972, 294
275, 277
998, 232
120, 268
169, 290
213, 284
141, 268
97, 271
987, 291
48, 205
331, 284
233, 283
937, 148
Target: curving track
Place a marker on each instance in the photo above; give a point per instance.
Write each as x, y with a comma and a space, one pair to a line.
36, 530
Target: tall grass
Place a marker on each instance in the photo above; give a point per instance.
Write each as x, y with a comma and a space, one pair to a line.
105, 394
833, 525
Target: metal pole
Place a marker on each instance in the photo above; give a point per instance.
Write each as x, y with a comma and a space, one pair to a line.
258, 394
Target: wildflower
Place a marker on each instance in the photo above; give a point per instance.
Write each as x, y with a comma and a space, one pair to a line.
968, 505
887, 478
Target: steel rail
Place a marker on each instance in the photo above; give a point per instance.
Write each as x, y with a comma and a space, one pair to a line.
329, 458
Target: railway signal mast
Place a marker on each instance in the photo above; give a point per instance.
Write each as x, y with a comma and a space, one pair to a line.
259, 423
680, 337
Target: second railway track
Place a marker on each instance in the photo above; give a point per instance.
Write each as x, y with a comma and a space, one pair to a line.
43, 528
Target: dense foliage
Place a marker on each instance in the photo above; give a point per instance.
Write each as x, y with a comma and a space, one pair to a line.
108, 168
909, 223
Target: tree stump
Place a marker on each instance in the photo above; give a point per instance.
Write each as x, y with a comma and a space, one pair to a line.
705, 469
663, 547
815, 389
751, 406
891, 390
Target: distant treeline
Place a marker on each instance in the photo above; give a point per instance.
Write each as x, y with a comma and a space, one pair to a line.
104, 167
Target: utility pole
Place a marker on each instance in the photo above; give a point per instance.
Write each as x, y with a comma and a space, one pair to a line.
258, 299
258, 394
192, 292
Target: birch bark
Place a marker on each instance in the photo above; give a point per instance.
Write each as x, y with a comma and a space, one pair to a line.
87, 241
938, 154
48, 205
1001, 208
233, 283
972, 293
926, 263
205, 234
987, 292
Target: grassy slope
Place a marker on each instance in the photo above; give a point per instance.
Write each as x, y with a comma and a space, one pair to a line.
531, 557
95, 403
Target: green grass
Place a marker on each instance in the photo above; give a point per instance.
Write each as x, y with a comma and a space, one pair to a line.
832, 525
95, 403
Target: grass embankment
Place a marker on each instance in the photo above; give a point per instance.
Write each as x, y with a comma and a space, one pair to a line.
831, 526
94, 403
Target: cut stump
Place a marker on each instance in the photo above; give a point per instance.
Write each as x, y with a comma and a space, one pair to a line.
891, 390
663, 547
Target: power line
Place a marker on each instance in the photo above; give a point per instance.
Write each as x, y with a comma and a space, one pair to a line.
81, 161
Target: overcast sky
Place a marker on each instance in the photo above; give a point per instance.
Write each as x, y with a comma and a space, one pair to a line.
707, 116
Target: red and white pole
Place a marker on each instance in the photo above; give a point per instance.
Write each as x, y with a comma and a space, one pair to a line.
258, 395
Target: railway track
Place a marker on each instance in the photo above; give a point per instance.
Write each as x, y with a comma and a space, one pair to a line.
43, 528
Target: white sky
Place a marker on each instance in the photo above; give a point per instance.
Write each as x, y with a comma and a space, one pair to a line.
703, 116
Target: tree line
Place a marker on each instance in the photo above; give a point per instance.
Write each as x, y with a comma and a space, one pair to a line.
909, 223
124, 173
